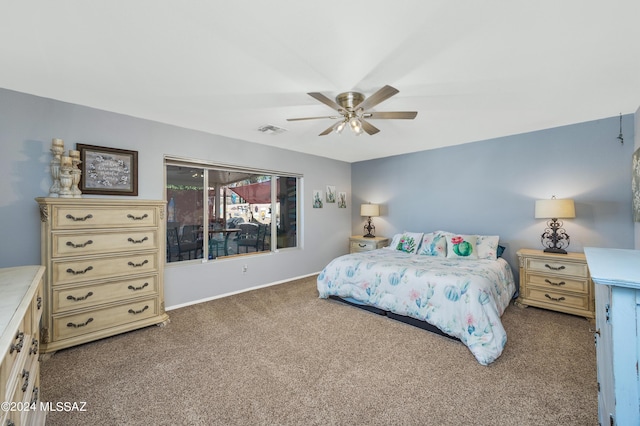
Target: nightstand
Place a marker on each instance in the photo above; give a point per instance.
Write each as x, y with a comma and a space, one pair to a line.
559, 282
358, 243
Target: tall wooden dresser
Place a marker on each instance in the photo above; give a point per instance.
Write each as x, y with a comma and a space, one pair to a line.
20, 312
105, 262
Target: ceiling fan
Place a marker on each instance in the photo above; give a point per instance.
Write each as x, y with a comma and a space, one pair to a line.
354, 111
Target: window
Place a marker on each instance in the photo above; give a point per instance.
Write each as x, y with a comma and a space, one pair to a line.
215, 211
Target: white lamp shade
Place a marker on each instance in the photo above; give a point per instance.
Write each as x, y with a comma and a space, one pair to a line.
555, 209
369, 210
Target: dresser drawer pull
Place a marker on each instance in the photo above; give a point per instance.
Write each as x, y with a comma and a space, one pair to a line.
555, 268
144, 216
34, 347
137, 265
131, 240
82, 324
34, 398
25, 376
552, 283
78, 299
131, 311
17, 346
362, 245
137, 288
70, 244
79, 219
555, 299
39, 302
87, 269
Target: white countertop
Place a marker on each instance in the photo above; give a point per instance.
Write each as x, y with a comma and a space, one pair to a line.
620, 267
15, 283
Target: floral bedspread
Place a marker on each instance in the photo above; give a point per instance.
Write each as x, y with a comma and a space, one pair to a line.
464, 298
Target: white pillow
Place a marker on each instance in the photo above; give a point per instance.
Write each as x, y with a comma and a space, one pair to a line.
462, 246
433, 244
409, 242
487, 246
394, 241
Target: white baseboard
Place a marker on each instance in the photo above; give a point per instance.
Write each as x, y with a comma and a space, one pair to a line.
220, 296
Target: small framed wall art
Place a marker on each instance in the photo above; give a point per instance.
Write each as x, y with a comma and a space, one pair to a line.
331, 194
108, 171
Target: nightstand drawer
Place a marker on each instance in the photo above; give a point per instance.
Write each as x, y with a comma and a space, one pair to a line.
357, 243
558, 267
556, 299
553, 283
362, 245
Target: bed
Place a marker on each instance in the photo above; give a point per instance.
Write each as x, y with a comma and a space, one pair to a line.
457, 283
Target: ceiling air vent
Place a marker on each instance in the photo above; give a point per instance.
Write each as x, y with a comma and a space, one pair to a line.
271, 129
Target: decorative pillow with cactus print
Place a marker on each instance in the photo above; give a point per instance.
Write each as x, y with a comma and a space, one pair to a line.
409, 242
433, 244
487, 246
462, 246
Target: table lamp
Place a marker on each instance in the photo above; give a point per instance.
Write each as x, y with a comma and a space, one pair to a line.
554, 238
369, 210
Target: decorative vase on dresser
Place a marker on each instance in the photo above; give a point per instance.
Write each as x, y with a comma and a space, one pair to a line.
559, 282
105, 262
360, 243
20, 312
616, 273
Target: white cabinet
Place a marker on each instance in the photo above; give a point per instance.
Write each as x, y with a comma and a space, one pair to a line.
20, 312
616, 274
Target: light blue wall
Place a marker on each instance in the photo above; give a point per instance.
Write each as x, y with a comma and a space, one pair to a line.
490, 187
28, 123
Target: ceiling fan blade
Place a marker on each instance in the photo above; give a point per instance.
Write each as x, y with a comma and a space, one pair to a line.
368, 127
407, 115
312, 118
381, 95
322, 98
326, 132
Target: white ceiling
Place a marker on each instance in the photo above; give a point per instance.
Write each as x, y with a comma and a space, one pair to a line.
472, 69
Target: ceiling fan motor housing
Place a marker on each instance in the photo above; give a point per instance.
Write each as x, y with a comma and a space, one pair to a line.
349, 100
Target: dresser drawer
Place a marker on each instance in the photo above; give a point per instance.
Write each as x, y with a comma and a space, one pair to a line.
14, 355
554, 282
67, 326
78, 244
68, 217
557, 267
69, 298
74, 271
557, 299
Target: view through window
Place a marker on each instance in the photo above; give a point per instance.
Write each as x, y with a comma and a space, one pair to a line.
215, 211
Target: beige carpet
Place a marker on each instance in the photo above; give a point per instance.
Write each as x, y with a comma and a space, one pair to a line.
281, 355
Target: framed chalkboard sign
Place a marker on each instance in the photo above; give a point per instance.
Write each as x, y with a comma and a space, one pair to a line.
108, 171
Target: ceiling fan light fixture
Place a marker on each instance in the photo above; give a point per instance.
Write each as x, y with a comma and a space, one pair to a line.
356, 125
339, 127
